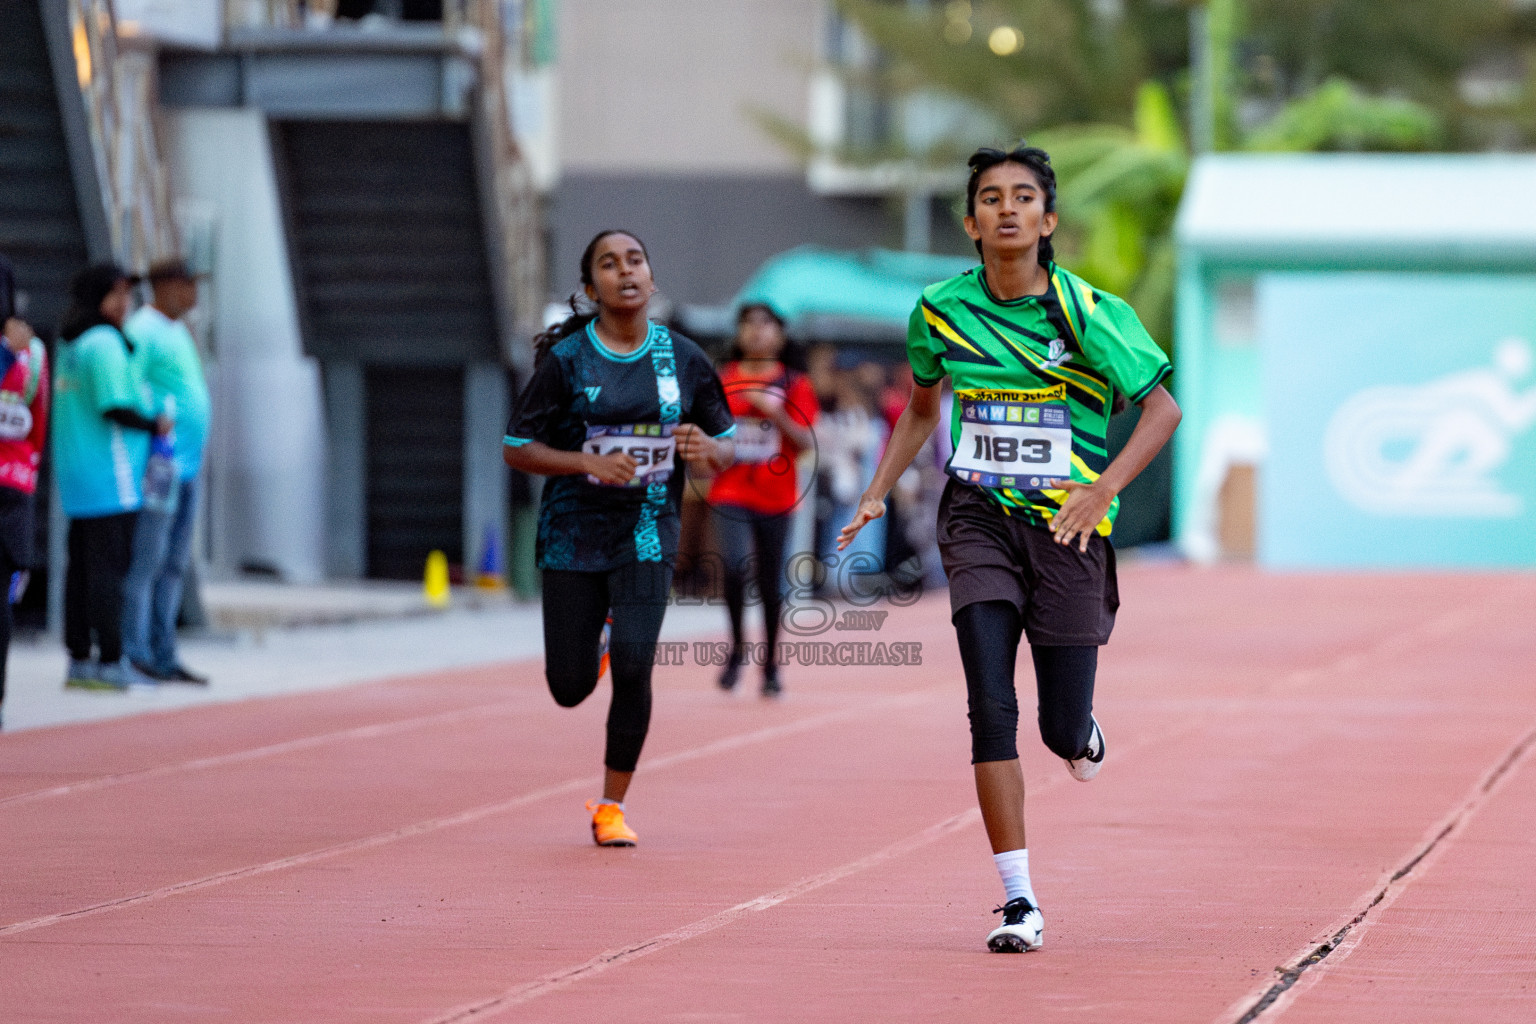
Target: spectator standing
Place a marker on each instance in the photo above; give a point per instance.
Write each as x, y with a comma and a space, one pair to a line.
101, 432
167, 360
775, 409
23, 430
849, 436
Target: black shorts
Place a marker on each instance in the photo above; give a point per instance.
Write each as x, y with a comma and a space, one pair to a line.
1066, 597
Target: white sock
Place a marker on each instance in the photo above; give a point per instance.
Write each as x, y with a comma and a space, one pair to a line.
620, 805
1013, 866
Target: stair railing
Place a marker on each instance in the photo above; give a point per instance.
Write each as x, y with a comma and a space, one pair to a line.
516, 224
118, 86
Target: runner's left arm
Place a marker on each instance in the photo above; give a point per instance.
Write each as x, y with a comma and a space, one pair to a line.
704, 440
1116, 343
1087, 504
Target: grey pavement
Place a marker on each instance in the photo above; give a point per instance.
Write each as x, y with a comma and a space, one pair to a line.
314, 638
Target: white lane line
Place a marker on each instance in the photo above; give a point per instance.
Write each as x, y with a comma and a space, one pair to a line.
586, 782
557, 980
617, 957
1400, 641
1318, 957
255, 753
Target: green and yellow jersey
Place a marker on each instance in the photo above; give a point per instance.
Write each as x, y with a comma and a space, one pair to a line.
1035, 379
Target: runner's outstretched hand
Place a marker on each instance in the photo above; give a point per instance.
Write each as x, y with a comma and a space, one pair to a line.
869, 508
1081, 513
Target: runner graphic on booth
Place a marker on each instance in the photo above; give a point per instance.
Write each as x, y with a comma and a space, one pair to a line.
616, 408
1038, 359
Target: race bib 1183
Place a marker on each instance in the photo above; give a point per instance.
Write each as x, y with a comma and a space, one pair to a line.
1012, 440
651, 445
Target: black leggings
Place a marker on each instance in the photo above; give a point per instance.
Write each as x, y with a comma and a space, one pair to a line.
989, 633
100, 551
752, 546
575, 605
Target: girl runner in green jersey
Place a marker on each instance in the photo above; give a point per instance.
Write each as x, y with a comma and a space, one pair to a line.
1038, 358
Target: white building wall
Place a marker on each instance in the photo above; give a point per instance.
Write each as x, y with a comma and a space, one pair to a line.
267, 456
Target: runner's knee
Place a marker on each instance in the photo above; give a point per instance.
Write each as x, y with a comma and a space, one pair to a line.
1064, 677
988, 632
570, 683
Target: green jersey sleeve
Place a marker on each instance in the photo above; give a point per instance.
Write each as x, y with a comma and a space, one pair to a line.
1120, 346
923, 350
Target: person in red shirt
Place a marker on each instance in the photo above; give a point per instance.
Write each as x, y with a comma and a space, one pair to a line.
23, 431
775, 408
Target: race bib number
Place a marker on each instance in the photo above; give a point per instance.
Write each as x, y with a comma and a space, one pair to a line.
1017, 444
15, 419
651, 445
757, 441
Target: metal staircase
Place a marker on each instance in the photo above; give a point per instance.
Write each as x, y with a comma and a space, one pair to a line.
41, 226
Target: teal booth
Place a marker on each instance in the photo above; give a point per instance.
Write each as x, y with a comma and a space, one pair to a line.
1356, 361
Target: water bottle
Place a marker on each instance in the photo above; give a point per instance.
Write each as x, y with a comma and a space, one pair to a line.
160, 477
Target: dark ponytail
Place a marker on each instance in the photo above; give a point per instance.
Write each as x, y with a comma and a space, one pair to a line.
1039, 163
579, 318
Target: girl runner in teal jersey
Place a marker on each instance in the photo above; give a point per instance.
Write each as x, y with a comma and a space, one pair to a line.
617, 404
1038, 359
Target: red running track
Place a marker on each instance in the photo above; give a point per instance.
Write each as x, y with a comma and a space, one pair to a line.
1298, 765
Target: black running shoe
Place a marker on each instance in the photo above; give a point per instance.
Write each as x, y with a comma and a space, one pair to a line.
1022, 930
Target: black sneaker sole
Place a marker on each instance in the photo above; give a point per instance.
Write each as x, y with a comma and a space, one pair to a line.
1007, 944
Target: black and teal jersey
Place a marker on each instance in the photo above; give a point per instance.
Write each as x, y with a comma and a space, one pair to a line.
582, 391
1031, 376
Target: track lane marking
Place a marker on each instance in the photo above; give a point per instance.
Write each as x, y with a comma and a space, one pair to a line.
1313, 962
604, 961
1387, 645
559, 979
255, 753
585, 782
1436, 626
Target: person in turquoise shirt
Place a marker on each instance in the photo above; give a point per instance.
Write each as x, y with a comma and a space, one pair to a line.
166, 357
100, 444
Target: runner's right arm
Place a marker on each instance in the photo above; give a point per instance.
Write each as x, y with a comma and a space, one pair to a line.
537, 457
913, 427
534, 415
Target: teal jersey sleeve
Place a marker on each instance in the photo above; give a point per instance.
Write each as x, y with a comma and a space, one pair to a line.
1118, 344
922, 351
109, 373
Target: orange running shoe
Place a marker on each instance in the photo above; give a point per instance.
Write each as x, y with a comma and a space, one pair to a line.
608, 828
603, 646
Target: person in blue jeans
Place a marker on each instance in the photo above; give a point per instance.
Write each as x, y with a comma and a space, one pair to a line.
162, 544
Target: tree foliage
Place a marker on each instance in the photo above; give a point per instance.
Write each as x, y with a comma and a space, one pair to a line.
1100, 83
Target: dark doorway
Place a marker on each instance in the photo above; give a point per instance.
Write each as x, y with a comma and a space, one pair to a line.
415, 439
